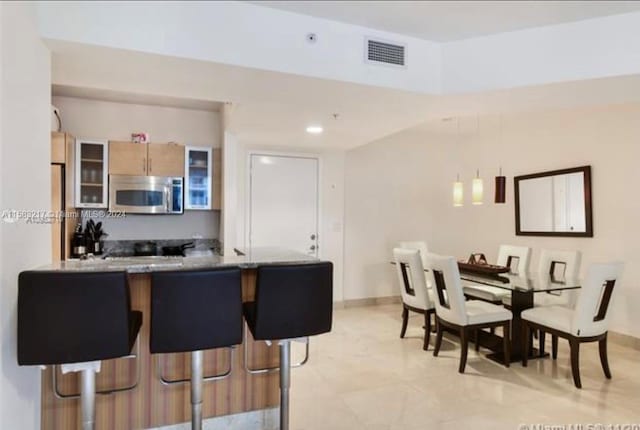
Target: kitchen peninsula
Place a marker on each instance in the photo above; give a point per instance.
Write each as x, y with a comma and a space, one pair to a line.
152, 403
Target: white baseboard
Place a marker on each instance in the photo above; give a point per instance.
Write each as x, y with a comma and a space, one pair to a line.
369, 301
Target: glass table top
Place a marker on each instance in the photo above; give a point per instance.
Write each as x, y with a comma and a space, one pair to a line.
534, 282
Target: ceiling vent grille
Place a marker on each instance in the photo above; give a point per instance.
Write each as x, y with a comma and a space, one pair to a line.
380, 52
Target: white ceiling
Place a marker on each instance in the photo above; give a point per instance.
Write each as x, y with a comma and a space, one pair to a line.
444, 21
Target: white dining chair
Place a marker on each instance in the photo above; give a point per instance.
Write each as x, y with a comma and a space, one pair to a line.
517, 259
465, 317
587, 322
559, 264
419, 245
416, 297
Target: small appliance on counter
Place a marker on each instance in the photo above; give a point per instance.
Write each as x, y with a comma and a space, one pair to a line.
78, 243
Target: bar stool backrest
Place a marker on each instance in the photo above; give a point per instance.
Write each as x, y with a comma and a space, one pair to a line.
75, 317
293, 300
592, 314
411, 278
445, 277
195, 310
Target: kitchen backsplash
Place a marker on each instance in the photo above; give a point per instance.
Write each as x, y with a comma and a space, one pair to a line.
126, 247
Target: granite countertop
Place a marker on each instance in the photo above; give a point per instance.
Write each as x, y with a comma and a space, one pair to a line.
249, 258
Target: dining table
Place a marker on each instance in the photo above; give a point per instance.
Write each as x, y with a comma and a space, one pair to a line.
523, 287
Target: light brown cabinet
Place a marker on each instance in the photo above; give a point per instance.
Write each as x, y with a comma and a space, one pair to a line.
217, 179
165, 159
146, 159
65, 216
127, 158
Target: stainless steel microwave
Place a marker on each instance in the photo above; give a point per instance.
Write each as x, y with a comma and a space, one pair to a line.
146, 194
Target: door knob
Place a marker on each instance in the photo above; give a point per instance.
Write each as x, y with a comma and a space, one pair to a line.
313, 237
312, 248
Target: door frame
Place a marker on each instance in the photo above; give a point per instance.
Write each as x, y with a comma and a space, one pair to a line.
248, 190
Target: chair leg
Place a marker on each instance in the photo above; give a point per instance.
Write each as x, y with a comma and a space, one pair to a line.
506, 339
436, 349
574, 344
464, 346
604, 360
554, 346
542, 342
526, 334
405, 321
427, 330
433, 325
477, 335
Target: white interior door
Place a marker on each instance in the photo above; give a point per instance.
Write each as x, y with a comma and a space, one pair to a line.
284, 202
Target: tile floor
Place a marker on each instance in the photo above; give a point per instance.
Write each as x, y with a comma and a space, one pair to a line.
363, 376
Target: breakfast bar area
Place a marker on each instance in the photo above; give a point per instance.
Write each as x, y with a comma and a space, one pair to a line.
145, 390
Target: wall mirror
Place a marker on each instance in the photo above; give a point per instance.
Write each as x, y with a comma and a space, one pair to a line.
555, 203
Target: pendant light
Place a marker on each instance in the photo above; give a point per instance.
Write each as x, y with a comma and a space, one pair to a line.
501, 181
477, 189
458, 186
501, 188
458, 192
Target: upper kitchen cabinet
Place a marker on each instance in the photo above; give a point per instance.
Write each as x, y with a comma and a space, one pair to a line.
146, 159
127, 158
91, 167
165, 159
198, 177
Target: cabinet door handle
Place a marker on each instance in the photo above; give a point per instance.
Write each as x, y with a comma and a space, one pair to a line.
150, 169
144, 165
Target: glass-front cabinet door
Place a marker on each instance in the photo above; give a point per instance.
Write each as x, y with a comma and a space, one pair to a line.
198, 173
91, 173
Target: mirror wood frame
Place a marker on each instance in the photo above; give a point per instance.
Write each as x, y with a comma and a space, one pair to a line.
587, 202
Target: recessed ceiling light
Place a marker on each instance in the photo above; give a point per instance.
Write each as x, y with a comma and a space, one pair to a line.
314, 129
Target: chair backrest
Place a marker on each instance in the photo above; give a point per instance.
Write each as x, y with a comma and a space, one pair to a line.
293, 300
72, 317
411, 278
419, 245
559, 263
195, 310
445, 276
517, 258
592, 311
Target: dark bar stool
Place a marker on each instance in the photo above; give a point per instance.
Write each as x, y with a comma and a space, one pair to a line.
75, 317
192, 311
291, 301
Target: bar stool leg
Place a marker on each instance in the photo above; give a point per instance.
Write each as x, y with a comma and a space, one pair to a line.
88, 398
285, 382
196, 390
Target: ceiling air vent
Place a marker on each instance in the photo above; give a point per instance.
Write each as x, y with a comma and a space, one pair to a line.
380, 52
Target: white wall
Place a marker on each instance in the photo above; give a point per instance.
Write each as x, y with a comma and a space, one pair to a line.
401, 188
116, 121
331, 234
25, 184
